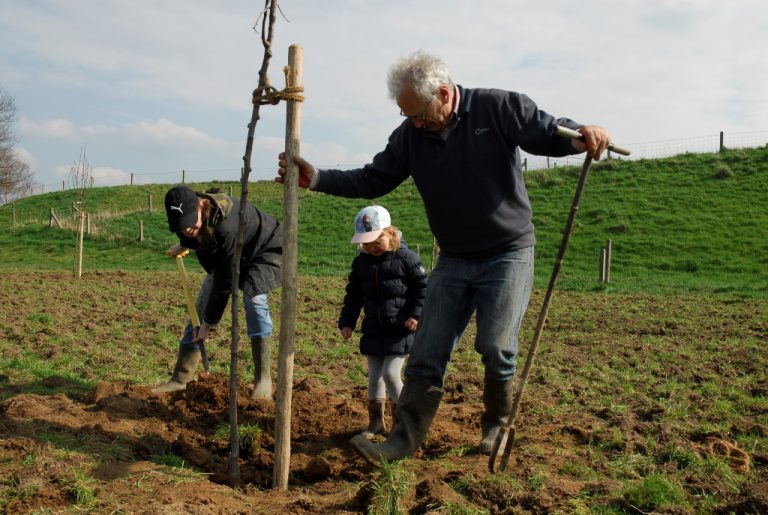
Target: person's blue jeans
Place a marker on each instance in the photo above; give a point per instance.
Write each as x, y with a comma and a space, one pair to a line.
257, 315
256, 312
498, 288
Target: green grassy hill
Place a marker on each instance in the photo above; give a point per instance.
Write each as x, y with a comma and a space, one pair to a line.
694, 223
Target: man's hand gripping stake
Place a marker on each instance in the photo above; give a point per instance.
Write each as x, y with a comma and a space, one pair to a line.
507, 431
191, 308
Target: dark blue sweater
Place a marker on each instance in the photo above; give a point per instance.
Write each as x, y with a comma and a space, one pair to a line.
469, 176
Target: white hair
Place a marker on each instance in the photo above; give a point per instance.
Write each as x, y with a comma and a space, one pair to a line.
424, 72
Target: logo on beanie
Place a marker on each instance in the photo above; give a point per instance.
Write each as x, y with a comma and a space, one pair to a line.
177, 208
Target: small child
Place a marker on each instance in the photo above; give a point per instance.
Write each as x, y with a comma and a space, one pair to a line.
388, 283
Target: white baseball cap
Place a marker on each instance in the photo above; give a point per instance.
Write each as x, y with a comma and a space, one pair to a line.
369, 223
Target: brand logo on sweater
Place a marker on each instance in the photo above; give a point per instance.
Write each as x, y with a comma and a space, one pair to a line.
481, 131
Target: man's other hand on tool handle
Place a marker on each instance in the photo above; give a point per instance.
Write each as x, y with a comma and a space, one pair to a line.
596, 140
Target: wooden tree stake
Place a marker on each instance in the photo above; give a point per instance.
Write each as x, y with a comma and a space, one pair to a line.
290, 267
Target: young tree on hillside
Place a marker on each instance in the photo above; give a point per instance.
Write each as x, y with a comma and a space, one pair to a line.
15, 175
80, 180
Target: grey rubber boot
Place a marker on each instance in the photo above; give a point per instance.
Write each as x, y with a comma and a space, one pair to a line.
497, 399
375, 418
262, 380
416, 408
184, 371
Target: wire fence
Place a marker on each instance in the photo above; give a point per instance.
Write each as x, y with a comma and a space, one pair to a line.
662, 148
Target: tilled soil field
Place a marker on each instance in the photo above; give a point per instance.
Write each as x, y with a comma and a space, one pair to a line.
636, 404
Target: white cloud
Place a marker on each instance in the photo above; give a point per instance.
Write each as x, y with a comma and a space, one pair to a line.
108, 176
164, 131
157, 87
47, 128
26, 157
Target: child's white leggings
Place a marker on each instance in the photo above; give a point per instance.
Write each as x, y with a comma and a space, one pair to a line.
384, 376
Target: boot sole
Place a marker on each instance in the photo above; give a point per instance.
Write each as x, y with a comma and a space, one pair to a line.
366, 449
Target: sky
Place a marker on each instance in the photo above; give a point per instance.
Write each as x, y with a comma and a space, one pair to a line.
150, 88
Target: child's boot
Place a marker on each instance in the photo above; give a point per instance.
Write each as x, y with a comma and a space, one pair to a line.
375, 418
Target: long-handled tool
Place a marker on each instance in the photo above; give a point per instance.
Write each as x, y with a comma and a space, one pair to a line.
507, 431
191, 308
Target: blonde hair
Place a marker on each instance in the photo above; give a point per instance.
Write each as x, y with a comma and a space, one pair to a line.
394, 237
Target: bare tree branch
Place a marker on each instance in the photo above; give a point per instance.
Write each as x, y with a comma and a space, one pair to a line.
80, 178
270, 6
15, 175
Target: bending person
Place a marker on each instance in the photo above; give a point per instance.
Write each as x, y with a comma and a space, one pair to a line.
207, 223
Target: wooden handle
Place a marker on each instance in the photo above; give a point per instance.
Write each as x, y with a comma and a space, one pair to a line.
191, 309
570, 133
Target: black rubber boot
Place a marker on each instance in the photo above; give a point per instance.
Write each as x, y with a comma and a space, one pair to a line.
416, 408
497, 399
184, 371
375, 418
262, 380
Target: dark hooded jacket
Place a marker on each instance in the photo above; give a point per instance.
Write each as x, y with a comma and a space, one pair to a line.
389, 288
261, 261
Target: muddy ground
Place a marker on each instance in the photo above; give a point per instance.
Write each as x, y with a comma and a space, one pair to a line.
67, 446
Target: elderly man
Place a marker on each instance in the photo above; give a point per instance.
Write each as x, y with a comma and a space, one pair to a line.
461, 146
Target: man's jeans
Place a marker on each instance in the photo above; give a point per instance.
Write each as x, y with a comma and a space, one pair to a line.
256, 312
499, 288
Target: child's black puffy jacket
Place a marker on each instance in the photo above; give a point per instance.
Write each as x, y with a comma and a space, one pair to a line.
389, 289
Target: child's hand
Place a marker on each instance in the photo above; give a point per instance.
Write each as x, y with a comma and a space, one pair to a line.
346, 333
411, 323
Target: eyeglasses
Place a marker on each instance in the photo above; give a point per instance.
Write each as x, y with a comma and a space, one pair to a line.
422, 117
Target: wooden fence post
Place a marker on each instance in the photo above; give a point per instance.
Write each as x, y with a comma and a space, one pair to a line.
608, 252
80, 244
131, 178
183, 176
53, 220
282, 455
88, 223
14, 213
141, 230
150, 202
601, 267
722, 141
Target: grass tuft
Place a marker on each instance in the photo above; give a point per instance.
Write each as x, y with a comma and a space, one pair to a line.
388, 490
654, 492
